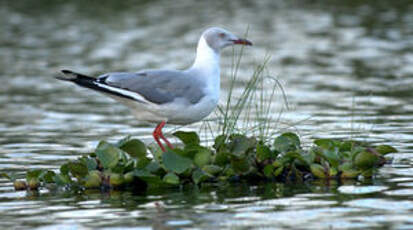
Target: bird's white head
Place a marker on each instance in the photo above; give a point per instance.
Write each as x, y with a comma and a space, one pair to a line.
218, 38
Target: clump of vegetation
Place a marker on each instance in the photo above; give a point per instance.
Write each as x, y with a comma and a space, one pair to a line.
127, 165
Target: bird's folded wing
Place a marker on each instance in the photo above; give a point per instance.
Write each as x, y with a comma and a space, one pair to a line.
155, 86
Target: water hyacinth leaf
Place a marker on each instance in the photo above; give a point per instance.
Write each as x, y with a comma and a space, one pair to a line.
345, 166
135, 148
332, 172
349, 173
348, 145
268, 170
212, 169
188, 138
318, 171
221, 158
77, 169
189, 151
129, 177
107, 154
331, 156
309, 157
91, 163
278, 171
33, 174
47, 176
62, 179
263, 152
123, 140
228, 172
203, 157
239, 145
219, 142
5, 175
116, 179
325, 143
33, 183
19, 185
175, 163
171, 178
153, 167
147, 177
199, 176
366, 160
292, 156
93, 179
368, 173
287, 142
240, 165
64, 169
385, 149
142, 162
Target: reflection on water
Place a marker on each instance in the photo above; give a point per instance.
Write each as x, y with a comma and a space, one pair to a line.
346, 67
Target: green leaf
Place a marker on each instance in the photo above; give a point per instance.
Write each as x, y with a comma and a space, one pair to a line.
33, 174
64, 169
318, 171
219, 142
189, 151
47, 176
385, 149
366, 160
91, 164
171, 178
348, 145
77, 169
212, 169
93, 179
263, 152
240, 165
325, 143
199, 176
203, 157
188, 138
153, 167
123, 140
142, 162
268, 170
331, 156
107, 154
239, 145
287, 142
5, 175
278, 171
147, 177
135, 148
221, 158
61, 179
290, 157
175, 163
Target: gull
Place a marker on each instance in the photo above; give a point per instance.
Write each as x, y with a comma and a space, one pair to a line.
168, 96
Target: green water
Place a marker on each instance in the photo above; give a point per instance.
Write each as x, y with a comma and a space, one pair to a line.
346, 66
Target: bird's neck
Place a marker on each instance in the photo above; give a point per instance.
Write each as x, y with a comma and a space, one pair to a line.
207, 59
207, 64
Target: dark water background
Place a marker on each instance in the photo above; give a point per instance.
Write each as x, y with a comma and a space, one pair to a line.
346, 66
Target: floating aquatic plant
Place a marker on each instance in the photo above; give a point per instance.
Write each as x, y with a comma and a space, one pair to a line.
127, 164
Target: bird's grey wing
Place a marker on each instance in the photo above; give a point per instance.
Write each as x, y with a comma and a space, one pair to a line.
157, 86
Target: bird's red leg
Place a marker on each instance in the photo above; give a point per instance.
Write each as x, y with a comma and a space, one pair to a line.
156, 134
159, 127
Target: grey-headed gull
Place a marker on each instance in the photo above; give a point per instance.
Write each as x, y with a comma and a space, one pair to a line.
168, 96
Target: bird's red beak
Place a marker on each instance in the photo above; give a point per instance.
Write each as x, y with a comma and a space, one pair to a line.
242, 41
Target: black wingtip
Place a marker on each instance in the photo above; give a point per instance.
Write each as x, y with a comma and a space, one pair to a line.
65, 71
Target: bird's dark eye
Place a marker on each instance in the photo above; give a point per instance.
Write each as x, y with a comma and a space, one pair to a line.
221, 35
